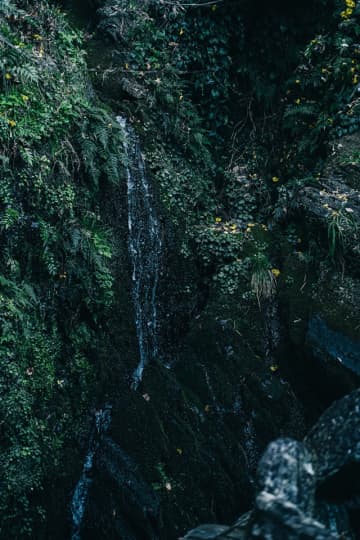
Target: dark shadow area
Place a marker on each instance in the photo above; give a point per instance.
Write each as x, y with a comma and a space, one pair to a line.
343, 488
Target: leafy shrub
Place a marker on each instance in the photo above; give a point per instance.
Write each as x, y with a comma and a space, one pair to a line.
59, 153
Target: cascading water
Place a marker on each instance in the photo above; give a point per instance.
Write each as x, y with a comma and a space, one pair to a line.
78, 504
144, 248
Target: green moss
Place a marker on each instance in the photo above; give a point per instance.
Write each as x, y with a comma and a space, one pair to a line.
185, 79
59, 153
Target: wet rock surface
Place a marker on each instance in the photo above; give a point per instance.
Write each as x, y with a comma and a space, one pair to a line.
137, 505
329, 345
335, 439
290, 503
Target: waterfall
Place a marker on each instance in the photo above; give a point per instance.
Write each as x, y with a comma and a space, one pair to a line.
144, 250
78, 504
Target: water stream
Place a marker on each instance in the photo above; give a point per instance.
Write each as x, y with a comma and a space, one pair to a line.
144, 248
102, 422
145, 253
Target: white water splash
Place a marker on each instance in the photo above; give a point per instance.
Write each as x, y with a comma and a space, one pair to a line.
80, 496
78, 503
144, 249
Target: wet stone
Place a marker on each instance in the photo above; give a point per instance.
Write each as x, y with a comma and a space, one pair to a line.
335, 439
290, 504
286, 472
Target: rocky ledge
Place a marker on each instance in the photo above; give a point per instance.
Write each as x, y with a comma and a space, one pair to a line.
305, 489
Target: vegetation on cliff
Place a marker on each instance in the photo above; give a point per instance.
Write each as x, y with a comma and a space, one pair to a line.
58, 151
240, 112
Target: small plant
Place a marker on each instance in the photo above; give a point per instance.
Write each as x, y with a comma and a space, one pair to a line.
341, 224
164, 482
263, 279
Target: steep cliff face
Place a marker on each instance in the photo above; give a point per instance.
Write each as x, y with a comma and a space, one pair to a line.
179, 286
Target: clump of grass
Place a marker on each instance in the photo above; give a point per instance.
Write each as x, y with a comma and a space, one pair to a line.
263, 280
341, 225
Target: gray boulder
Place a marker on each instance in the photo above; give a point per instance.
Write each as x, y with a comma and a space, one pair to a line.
335, 440
292, 478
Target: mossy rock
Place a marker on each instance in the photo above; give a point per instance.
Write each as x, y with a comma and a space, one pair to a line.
344, 162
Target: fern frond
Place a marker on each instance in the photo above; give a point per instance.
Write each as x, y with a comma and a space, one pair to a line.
26, 73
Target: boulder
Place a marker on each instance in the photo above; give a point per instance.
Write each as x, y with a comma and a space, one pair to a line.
291, 499
335, 440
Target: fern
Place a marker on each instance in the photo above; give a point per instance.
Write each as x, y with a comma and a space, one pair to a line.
88, 152
102, 135
28, 155
8, 9
9, 218
112, 168
305, 109
26, 73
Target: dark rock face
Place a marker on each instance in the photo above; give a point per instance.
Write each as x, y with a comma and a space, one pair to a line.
327, 344
189, 440
335, 439
290, 503
138, 497
319, 300
127, 506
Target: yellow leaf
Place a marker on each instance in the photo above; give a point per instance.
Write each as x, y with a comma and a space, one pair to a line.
275, 179
274, 368
275, 272
179, 451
